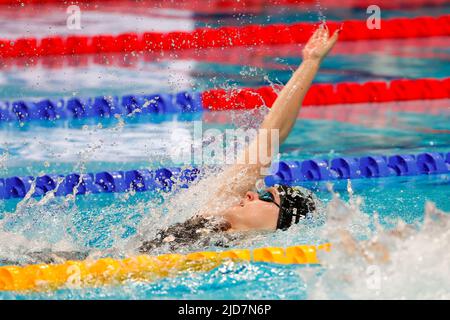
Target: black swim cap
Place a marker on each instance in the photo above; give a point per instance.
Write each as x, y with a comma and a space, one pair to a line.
295, 203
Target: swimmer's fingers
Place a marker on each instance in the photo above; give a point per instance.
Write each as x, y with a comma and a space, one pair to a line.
321, 36
320, 33
333, 39
326, 33
320, 43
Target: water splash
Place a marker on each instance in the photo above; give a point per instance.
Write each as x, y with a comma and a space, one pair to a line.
368, 260
404, 262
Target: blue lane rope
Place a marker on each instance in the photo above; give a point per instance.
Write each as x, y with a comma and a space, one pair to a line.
102, 106
293, 172
286, 172
101, 182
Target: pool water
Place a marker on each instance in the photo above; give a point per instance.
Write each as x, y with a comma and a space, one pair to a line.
108, 221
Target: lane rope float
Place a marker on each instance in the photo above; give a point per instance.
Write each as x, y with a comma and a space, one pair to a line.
283, 172
257, 57
220, 99
376, 166
354, 30
93, 273
220, 6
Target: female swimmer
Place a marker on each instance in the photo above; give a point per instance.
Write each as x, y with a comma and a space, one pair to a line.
274, 208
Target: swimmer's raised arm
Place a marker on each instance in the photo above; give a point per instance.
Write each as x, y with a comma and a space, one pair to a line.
284, 111
240, 178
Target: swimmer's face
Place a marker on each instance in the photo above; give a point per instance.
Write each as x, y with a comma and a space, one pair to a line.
254, 214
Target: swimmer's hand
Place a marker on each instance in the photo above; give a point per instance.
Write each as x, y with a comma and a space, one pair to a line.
320, 44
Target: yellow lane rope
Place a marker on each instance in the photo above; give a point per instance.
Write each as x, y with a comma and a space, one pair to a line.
92, 273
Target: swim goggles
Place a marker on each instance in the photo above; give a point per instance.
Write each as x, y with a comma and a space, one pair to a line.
266, 196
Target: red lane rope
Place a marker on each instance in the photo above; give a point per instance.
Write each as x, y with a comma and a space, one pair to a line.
220, 37
262, 56
215, 6
329, 94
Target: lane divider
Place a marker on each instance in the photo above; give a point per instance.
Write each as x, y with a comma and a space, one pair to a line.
221, 99
329, 94
162, 179
260, 56
249, 35
292, 172
243, 6
284, 172
76, 274
101, 107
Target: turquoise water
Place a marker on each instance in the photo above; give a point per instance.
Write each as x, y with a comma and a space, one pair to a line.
107, 222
